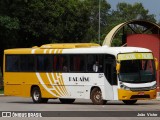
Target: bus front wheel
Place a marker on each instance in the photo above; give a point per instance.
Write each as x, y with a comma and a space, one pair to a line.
37, 97
129, 102
96, 97
66, 101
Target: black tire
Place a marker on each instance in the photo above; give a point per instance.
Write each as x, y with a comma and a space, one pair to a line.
96, 97
37, 97
129, 102
66, 101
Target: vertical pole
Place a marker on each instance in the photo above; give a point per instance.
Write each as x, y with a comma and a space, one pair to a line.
158, 75
99, 27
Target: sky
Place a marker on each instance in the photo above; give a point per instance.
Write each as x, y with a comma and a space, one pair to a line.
152, 5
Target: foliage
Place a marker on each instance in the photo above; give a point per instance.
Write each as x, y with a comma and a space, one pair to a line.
92, 30
26, 23
126, 12
1, 91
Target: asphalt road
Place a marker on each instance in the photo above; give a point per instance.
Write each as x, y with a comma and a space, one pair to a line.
26, 105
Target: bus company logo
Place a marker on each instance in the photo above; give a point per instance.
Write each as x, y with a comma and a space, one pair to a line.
79, 79
100, 75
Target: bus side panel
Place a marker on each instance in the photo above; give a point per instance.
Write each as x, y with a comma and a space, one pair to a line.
51, 84
13, 89
12, 84
19, 84
57, 85
80, 85
38, 80
108, 90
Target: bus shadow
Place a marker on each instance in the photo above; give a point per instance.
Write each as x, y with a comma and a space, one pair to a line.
20, 102
83, 103
119, 104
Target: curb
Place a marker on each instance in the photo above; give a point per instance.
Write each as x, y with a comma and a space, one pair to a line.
158, 96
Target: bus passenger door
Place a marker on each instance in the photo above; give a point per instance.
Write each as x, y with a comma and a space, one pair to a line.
111, 80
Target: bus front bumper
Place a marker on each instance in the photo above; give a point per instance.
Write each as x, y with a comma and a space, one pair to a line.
136, 95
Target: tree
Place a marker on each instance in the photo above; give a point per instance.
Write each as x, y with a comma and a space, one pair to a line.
93, 8
135, 11
26, 23
9, 27
125, 12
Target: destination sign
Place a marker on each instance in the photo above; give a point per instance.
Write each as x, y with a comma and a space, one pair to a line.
134, 56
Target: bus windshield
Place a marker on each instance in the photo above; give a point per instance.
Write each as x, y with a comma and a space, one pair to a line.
137, 71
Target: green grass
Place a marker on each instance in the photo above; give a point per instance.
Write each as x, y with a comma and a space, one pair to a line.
1, 91
1, 83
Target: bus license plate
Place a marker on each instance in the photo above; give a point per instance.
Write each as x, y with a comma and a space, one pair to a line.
141, 93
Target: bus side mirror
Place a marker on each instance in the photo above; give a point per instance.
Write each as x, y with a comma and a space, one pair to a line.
156, 63
118, 66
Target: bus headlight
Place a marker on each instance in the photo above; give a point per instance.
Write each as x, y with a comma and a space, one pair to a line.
124, 87
153, 87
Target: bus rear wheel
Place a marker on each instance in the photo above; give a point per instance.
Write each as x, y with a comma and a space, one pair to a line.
129, 102
96, 97
66, 101
37, 97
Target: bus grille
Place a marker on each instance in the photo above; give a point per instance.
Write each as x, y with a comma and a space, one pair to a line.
139, 96
140, 89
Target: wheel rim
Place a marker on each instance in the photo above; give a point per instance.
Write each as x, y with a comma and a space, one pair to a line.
98, 96
36, 95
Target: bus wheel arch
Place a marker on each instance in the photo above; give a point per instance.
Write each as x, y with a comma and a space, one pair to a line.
36, 95
96, 96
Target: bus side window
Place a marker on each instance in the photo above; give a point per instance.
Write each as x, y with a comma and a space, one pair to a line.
60, 63
63, 63
77, 63
44, 63
12, 62
74, 63
90, 62
55, 62
100, 59
27, 63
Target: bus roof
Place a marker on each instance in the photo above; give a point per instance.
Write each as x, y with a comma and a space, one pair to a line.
69, 45
80, 48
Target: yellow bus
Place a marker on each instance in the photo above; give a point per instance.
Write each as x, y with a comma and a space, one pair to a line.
81, 70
